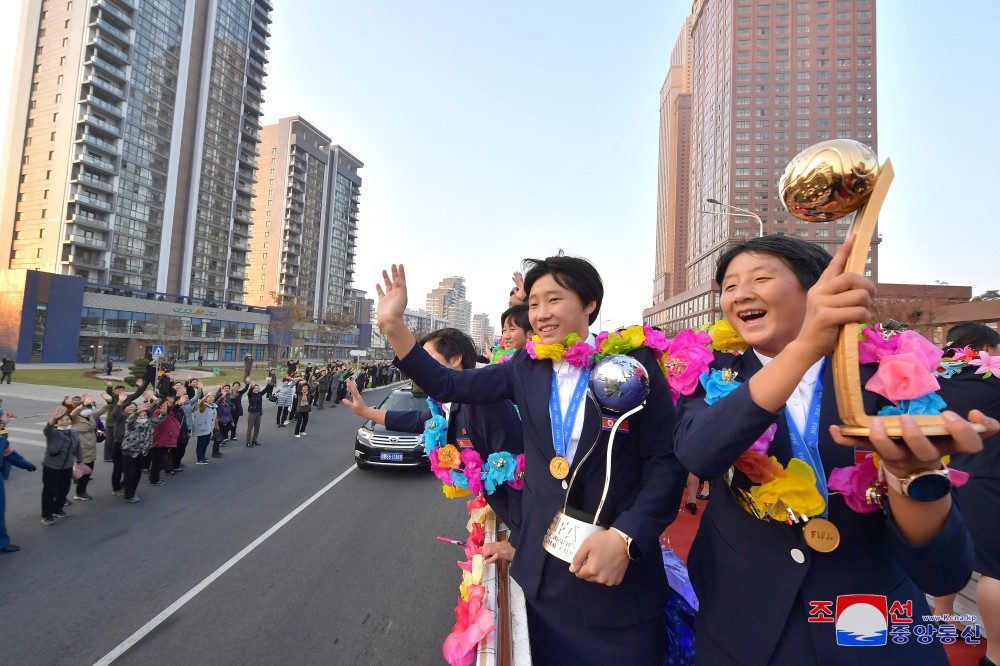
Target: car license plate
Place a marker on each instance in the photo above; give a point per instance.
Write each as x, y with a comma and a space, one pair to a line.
391, 457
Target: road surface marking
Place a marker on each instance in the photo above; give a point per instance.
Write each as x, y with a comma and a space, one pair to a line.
125, 645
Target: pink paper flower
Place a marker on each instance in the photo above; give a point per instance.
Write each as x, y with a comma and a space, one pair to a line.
873, 345
601, 337
518, 482
958, 477
473, 470
763, 442
579, 354
903, 377
853, 483
911, 341
655, 339
987, 364
688, 356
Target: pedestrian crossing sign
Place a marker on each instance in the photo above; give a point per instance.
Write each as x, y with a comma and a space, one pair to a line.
158, 350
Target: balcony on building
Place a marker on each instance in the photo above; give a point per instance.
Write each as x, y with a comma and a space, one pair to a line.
114, 14
89, 219
82, 197
99, 103
95, 163
109, 49
102, 126
86, 259
106, 86
84, 177
89, 242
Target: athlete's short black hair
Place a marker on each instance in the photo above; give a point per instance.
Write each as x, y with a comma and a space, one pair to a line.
516, 315
807, 260
451, 342
573, 273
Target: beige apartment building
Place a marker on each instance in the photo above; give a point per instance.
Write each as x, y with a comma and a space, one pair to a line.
305, 221
131, 143
750, 84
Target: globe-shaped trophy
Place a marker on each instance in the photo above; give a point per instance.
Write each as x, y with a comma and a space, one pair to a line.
824, 182
620, 385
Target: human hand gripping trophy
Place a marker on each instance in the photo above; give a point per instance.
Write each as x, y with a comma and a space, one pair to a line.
828, 181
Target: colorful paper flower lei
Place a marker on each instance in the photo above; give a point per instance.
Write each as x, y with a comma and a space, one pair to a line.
472, 620
682, 359
501, 355
463, 472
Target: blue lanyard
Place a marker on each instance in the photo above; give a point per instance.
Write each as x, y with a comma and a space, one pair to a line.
561, 436
805, 445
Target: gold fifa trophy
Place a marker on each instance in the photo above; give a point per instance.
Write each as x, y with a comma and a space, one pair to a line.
825, 182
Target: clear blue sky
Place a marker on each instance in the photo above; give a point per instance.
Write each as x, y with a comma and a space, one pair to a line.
491, 132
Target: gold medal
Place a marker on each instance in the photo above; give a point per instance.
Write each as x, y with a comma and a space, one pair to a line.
559, 467
821, 535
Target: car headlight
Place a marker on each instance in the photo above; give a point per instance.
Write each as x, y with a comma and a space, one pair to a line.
365, 434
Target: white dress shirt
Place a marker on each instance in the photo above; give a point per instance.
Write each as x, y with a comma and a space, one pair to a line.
566, 378
798, 403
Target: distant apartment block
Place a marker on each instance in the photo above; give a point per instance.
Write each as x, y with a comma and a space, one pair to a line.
751, 83
447, 301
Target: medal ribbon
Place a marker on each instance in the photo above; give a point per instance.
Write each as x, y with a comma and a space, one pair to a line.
562, 429
805, 445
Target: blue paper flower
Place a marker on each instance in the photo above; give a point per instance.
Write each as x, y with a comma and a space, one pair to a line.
500, 468
458, 479
718, 384
435, 428
947, 370
930, 404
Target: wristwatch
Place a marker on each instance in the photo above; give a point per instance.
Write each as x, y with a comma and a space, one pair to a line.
630, 548
923, 485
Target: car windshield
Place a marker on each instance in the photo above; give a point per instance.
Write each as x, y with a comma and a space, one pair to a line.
403, 401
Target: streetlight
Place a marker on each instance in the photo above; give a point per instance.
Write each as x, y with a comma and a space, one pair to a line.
93, 358
742, 211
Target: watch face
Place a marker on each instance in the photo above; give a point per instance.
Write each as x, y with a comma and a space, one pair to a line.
929, 487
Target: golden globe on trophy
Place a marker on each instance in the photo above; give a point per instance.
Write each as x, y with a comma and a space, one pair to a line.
620, 385
825, 182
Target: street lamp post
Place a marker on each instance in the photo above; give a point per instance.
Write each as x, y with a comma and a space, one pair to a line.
93, 358
741, 211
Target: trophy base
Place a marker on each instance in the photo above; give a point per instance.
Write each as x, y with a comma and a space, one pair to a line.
565, 536
896, 431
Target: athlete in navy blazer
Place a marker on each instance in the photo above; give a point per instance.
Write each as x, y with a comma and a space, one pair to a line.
572, 619
489, 428
757, 581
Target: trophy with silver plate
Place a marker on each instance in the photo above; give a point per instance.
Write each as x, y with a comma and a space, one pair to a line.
619, 384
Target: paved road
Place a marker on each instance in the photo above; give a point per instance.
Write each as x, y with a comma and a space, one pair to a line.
356, 577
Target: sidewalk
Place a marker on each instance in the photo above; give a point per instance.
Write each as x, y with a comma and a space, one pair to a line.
55, 394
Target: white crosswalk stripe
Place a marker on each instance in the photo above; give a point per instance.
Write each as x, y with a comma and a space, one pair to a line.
18, 435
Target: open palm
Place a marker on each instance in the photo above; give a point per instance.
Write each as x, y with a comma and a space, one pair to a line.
392, 298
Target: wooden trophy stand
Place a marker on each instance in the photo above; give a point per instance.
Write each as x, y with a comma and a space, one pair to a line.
846, 370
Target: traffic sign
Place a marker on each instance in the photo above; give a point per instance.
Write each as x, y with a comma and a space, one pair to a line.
359, 352
158, 351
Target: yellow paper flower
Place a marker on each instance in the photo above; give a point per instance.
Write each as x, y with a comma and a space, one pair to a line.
796, 490
725, 338
463, 589
554, 351
634, 336
449, 457
453, 492
477, 516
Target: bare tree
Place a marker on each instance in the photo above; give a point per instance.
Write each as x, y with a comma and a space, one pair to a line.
287, 315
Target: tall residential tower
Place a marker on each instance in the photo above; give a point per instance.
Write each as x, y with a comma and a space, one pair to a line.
751, 83
132, 143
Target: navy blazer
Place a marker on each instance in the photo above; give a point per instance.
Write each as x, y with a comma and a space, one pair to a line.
646, 479
966, 391
490, 428
754, 596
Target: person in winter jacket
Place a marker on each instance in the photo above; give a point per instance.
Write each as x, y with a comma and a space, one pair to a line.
7, 367
206, 422
165, 436
83, 416
303, 397
10, 457
236, 405
115, 424
138, 442
286, 394
255, 406
62, 451
272, 380
224, 405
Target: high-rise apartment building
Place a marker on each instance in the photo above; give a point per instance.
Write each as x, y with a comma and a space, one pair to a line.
482, 333
447, 301
132, 143
751, 83
305, 220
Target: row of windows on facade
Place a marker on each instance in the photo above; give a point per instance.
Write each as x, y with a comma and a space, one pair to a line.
100, 320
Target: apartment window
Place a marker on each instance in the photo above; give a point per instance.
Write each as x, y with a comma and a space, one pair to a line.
58, 97
59, 79
62, 61
45, 195
65, 41
66, 23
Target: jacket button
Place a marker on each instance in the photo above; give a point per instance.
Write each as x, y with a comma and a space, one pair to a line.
798, 555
